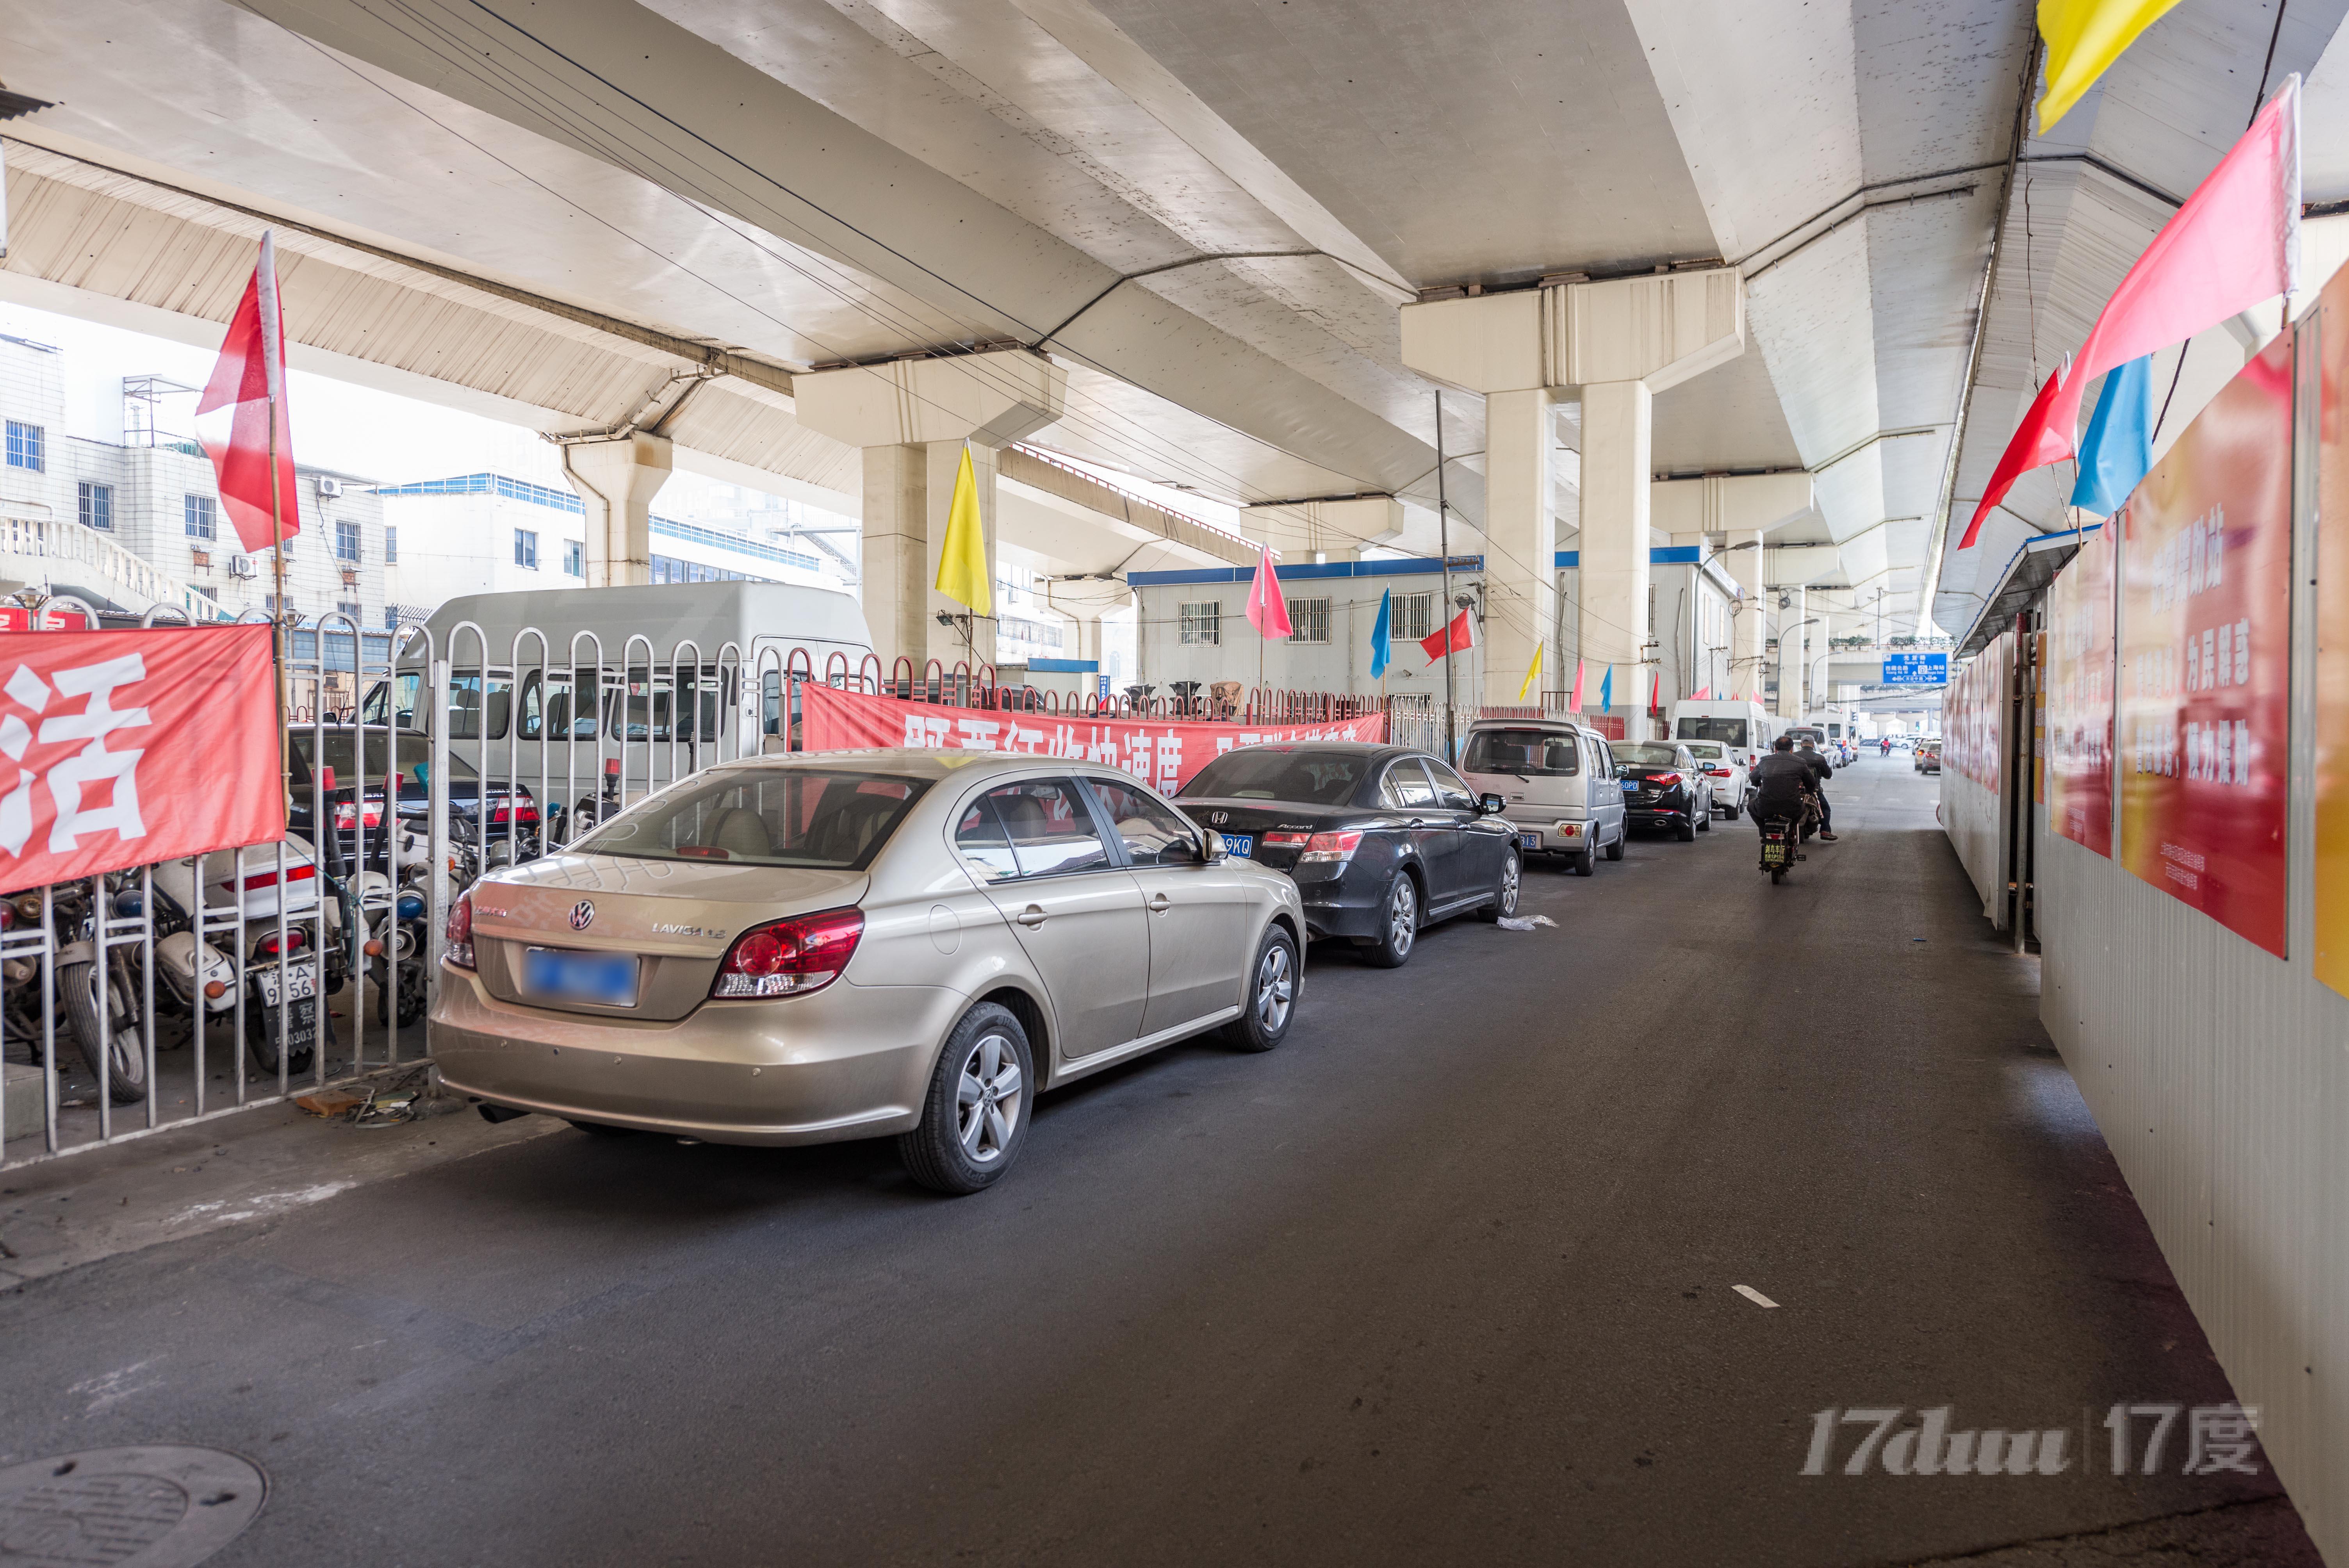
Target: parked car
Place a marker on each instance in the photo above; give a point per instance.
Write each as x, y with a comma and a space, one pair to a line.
1725, 769
860, 944
1378, 839
1664, 788
1928, 757
1558, 785
355, 799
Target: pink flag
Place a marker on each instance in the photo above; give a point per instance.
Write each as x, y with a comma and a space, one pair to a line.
250, 382
1704, 694
1267, 612
2234, 245
1574, 704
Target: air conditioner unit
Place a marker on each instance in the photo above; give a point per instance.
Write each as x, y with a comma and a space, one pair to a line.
328, 488
243, 566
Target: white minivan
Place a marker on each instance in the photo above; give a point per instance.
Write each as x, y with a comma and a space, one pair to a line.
1743, 728
1557, 783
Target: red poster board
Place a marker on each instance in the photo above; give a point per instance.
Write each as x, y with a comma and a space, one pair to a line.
2076, 681
2329, 325
1163, 753
1973, 717
2204, 671
120, 749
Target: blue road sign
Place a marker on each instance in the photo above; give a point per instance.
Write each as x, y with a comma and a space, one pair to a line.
1916, 669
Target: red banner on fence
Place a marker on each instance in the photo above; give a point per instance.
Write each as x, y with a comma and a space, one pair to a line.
120, 749
1161, 752
2204, 740
2077, 679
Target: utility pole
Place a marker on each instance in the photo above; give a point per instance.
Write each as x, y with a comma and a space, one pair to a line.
1444, 545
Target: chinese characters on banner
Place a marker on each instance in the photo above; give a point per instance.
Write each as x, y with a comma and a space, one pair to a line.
120, 749
2077, 680
1161, 753
2204, 657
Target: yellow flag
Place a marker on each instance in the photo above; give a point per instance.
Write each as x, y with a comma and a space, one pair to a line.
2084, 38
962, 562
1532, 674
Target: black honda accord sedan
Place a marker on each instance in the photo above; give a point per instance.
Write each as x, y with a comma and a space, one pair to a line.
1379, 840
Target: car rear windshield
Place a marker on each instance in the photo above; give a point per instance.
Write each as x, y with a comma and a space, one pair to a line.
1267, 773
341, 745
1729, 731
1527, 753
1705, 751
1644, 755
765, 817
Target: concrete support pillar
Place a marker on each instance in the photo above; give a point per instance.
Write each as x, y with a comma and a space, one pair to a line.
1749, 624
617, 479
1792, 666
1520, 543
1617, 422
912, 418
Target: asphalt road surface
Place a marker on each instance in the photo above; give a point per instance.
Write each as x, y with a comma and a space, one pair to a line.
1450, 1277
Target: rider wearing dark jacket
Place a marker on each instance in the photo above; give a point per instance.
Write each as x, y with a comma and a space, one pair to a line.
1810, 754
1781, 779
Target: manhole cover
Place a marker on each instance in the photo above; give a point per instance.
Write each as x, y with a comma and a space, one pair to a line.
161, 1507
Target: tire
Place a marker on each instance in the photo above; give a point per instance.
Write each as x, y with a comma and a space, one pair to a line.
1685, 830
265, 1049
1504, 896
1398, 925
965, 1141
1269, 1001
1730, 812
113, 1050
1778, 875
1704, 819
1582, 863
600, 1130
1615, 850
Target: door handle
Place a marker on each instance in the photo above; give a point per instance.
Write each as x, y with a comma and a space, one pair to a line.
1031, 917
1158, 903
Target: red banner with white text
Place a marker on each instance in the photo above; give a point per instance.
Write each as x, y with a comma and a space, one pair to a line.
2204, 740
2077, 680
122, 749
1161, 753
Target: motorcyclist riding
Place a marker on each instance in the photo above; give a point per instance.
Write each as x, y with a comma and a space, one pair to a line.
1810, 757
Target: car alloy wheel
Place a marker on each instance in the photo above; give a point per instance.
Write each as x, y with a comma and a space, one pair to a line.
990, 1097
1276, 988
1504, 897
1270, 1001
1398, 923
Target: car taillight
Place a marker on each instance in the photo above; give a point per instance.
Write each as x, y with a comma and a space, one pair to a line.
347, 815
1665, 780
1287, 840
1718, 772
457, 936
790, 957
303, 873
1331, 849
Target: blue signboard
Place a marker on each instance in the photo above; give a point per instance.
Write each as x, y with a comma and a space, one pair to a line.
1916, 669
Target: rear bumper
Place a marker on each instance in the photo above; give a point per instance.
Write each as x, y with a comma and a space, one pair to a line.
1552, 834
850, 1061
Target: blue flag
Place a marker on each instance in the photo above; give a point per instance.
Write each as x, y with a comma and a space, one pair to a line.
2118, 448
1606, 691
1381, 639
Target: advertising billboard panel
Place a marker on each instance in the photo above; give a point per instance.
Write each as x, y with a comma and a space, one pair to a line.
2204, 670
2332, 608
2077, 682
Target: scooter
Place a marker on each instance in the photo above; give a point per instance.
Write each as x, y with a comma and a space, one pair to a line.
1782, 840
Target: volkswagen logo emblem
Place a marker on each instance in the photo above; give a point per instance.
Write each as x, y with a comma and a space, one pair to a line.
1219, 817
583, 914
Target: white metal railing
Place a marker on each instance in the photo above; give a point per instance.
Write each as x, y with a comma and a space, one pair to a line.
56, 540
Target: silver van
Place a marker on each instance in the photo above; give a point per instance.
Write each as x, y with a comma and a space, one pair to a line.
1557, 782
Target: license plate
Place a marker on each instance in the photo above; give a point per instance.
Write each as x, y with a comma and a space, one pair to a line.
1529, 841
300, 986
1630, 788
1239, 843
608, 979
1773, 851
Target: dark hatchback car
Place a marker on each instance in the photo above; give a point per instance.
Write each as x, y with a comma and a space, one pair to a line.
1379, 840
356, 804
1666, 788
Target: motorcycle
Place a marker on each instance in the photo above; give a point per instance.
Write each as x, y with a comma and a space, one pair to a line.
1782, 840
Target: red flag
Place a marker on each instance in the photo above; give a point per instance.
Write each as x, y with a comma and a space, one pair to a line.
1655, 691
1267, 612
250, 381
1458, 637
2232, 246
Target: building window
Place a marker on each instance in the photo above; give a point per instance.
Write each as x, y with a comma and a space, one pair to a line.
1202, 624
574, 558
346, 542
199, 514
347, 607
391, 617
26, 447
1308, 620
390, 545
97, 506
526, 548
1412, 617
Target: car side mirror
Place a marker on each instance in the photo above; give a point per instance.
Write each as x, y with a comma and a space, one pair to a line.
1213, 843
1491, 805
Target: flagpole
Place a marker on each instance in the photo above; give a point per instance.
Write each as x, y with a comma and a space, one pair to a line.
1444, 545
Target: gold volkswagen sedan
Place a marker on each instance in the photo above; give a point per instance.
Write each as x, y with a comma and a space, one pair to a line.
860, 944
